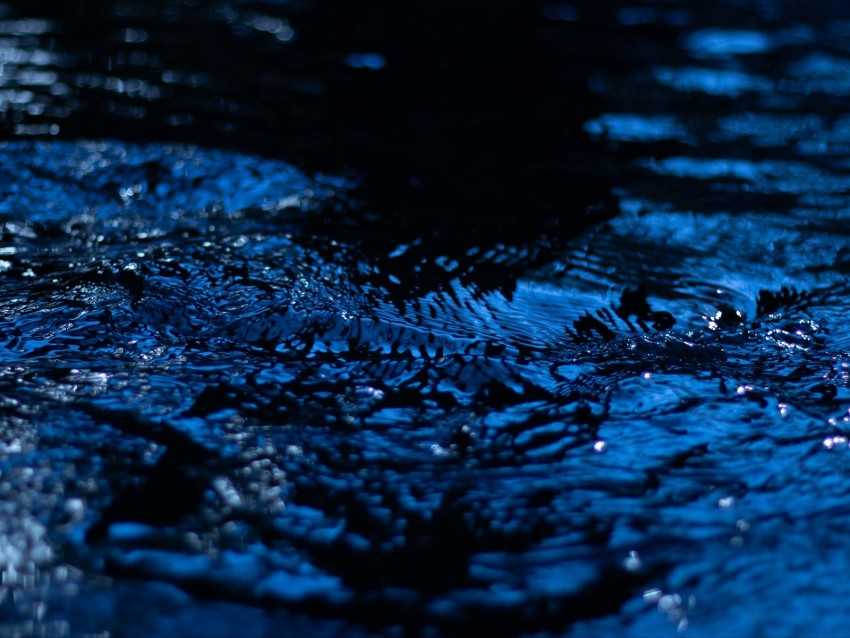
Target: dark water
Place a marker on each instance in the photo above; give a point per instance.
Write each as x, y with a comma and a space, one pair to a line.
415, 318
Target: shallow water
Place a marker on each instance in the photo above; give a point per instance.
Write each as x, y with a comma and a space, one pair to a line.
328, 339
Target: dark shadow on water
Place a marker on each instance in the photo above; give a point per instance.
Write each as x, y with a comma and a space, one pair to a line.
469, 108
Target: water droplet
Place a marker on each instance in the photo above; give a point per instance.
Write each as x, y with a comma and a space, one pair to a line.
633, 562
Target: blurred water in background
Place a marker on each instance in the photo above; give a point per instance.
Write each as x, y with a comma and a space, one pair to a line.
377, 318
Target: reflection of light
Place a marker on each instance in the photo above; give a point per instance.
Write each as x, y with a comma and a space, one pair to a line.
626, 127
13, 54
268, 24
373, 61
134, 36
767, 129
671, 606
769, 175
36, 129
834, 441
25, 27
194, 80
19, 71
709, 168
35, 77
438, 450
819, 65
711, 81
821, 73
12, 96
633, 562
133, 87
723, 42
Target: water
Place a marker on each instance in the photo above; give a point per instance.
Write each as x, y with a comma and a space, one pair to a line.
540, 332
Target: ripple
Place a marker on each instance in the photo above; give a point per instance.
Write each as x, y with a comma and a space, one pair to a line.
710, 43
725, 82
628, 127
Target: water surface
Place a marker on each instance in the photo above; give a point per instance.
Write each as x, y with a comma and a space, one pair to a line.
541, 333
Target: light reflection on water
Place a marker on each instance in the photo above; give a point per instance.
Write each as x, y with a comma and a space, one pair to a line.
627, 127
711, 43
727, 82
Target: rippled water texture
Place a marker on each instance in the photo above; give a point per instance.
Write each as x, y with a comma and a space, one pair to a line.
300, 334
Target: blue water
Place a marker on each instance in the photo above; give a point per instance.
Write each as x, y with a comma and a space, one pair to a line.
242, 395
